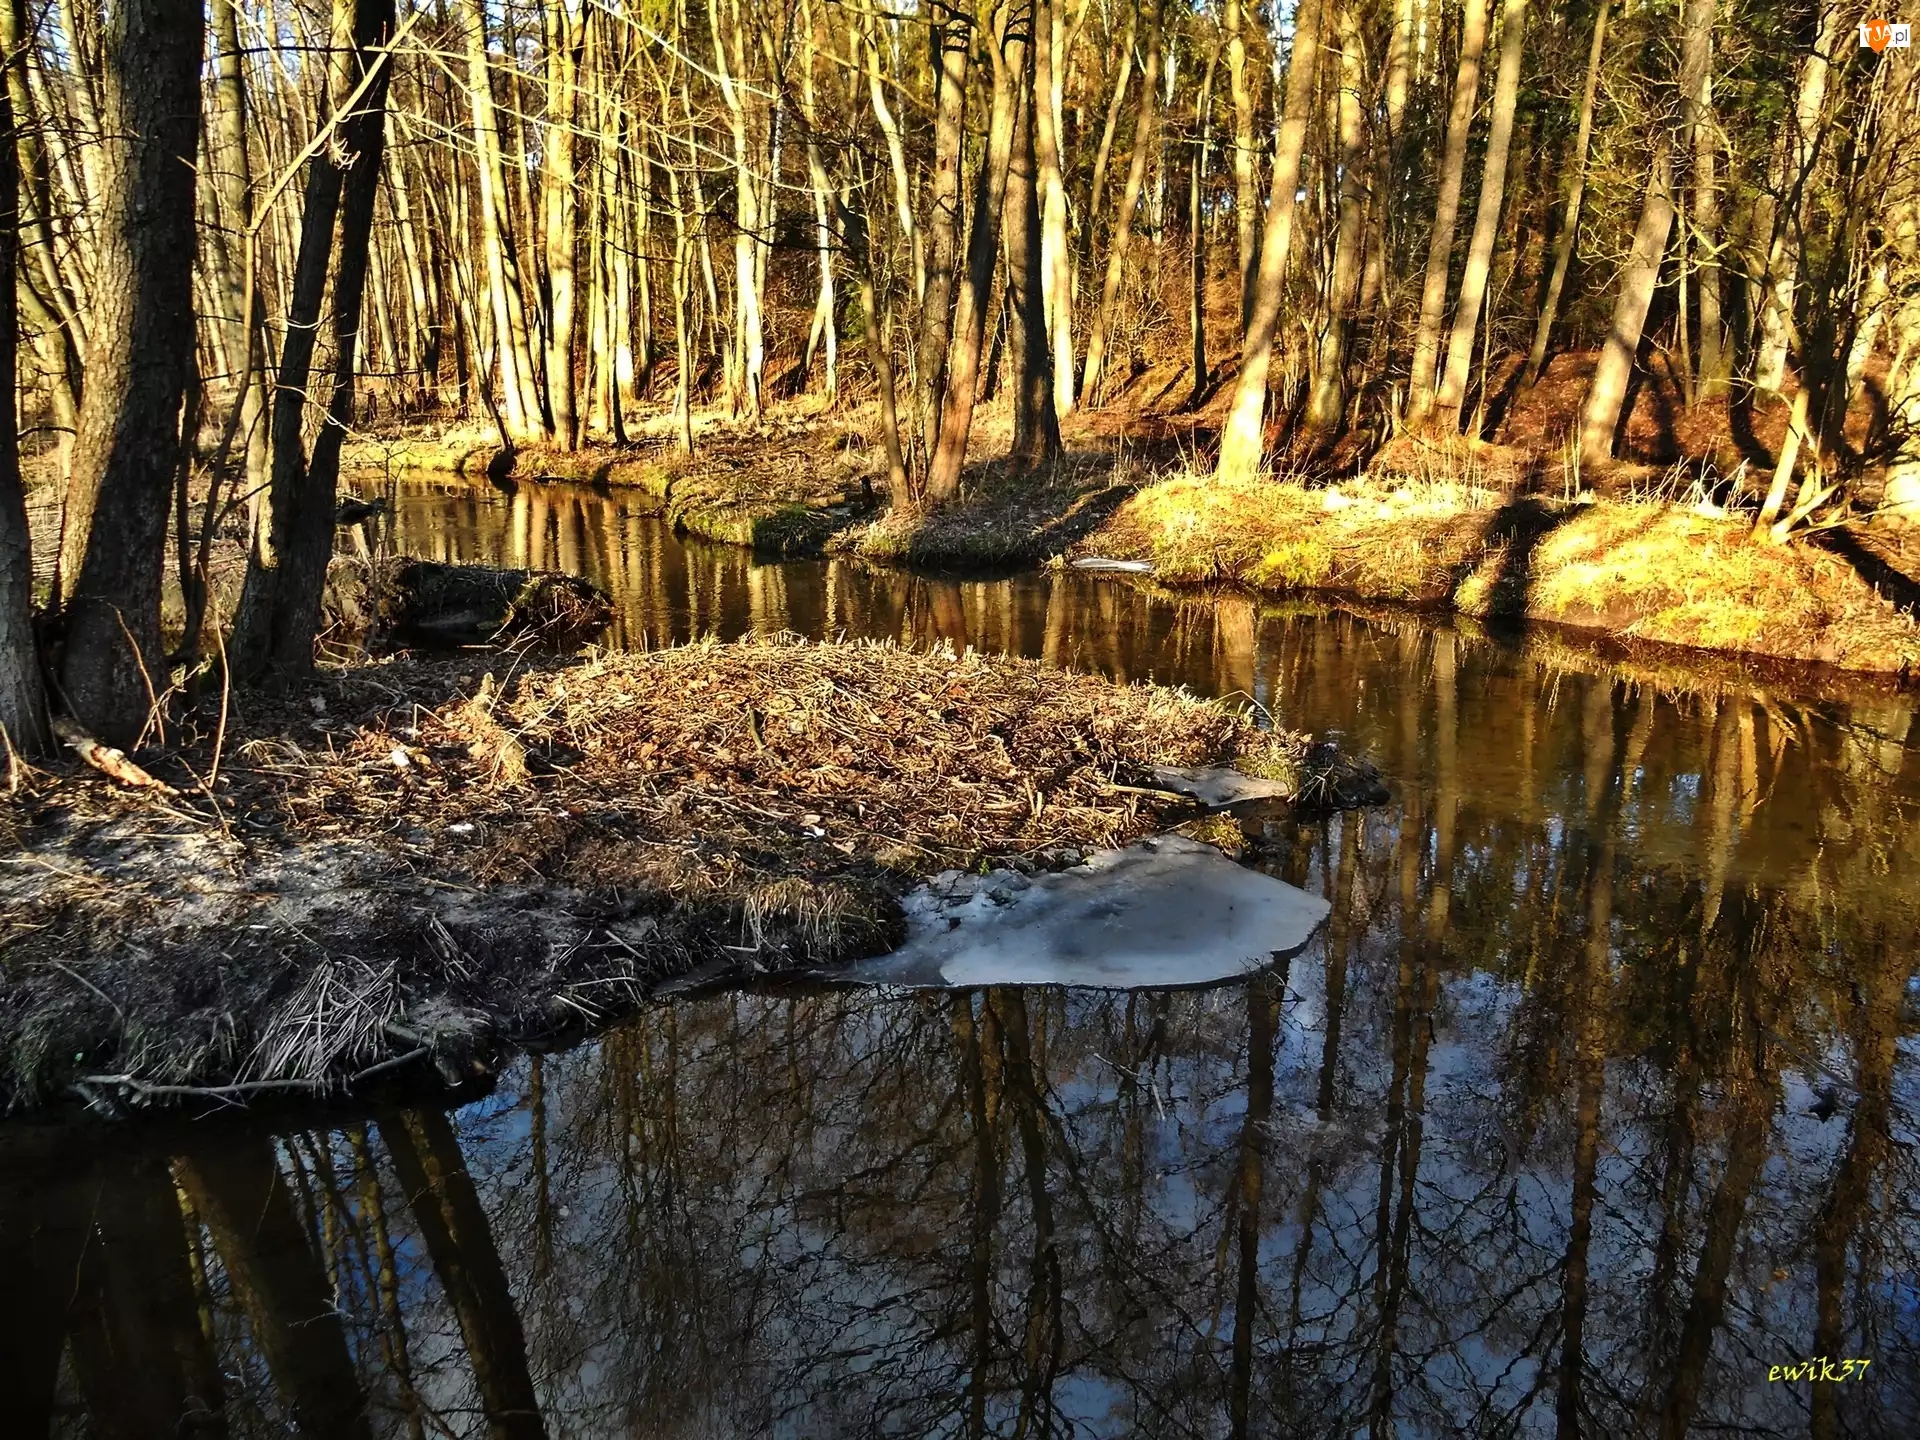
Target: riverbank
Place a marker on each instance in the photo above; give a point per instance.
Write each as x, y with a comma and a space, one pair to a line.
1639, 563
1689, 576
419, 862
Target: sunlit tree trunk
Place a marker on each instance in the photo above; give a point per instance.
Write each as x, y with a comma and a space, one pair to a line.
1246, 189
23, 720
279, 613
1243, 440
1600, 416
955, 39
139, 364
1701, 130
971, 311
1486, 226
1327, 404
1056, 252
1792, 188
1036, 425
1196, 230
565, 35
1446, 212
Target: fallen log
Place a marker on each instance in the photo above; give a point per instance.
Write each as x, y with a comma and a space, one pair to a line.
106, 759
425, 603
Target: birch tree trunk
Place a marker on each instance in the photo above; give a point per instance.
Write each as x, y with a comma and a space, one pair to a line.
139, 359
943, 217
1144, 125
1576, 190
1446, 213
1600, 416
1243, 441
1486, 224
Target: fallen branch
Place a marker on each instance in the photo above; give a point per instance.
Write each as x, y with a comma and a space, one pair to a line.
145, 1090
110, 762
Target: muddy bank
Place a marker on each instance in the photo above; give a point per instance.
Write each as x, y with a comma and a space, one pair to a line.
416, 863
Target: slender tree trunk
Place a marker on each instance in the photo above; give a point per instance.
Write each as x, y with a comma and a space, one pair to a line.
1576, 190
1246, 189
128, 448
1601, 415
1243, 441
564, 39
853, 225
943, 217
973, 308
1327, 405
1388, 149
1036, 424
1486, 225
1446, 213
23, 718
824, 323
1056, 253
1703, 140
279, 613
1197, 232
1144, 126
1792, 184
513, 350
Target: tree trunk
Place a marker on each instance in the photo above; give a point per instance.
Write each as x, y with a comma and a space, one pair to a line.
512, 349
1246, 189
1197, 232
1008, 53
279, 612
1036, 424
1327, 406
564, 39
1243, 441
1446, 213
1792, 180
1564, 242
1144, 125
128, 447
853, 224
23, 718
1601, 415
1056, 254
1702, 134
1486, 225
943, 217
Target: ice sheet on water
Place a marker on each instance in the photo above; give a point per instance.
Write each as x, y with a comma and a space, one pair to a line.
1163, 912
1217, 787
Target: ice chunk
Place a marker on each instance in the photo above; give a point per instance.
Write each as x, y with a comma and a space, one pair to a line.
1164, 912
1217, 787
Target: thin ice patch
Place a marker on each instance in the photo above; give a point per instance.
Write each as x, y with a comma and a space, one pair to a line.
1164, 912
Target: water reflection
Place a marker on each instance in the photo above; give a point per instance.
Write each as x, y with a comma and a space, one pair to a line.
1594, 1100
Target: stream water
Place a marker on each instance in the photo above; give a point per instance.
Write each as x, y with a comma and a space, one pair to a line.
1594, 1103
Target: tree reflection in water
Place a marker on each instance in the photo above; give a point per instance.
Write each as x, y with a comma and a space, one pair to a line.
1527, 1143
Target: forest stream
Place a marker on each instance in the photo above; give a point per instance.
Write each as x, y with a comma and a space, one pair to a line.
1591, 1110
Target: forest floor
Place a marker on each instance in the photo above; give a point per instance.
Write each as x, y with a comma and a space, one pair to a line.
419, 861
1656, 547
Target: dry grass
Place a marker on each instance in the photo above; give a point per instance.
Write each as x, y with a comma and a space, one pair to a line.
1647, 571
529, 846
